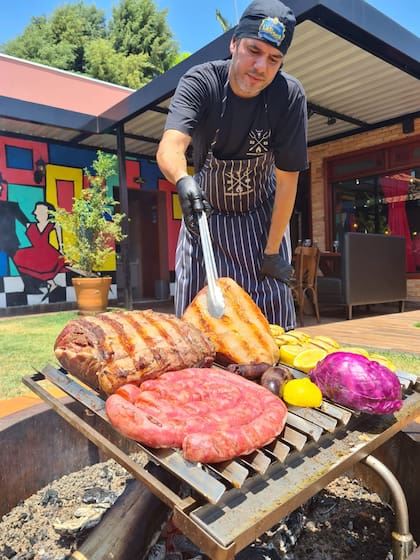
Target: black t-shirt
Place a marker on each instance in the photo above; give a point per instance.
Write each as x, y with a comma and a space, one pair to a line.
245, 128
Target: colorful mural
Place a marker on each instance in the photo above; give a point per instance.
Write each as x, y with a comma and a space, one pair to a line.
41, 262
35, 178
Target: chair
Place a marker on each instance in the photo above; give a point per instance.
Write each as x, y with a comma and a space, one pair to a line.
304, 281
372, 271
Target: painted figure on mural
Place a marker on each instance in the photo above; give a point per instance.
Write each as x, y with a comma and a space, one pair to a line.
39, 264
10, 213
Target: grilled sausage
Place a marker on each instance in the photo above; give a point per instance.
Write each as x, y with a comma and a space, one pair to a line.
249, 371
274, 378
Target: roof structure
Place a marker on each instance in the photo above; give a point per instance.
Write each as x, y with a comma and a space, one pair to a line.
360, 71
43, 85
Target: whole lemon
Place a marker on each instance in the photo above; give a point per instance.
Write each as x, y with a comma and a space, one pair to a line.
302, 392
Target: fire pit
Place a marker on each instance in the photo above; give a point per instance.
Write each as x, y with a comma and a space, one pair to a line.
343, 521
230, 505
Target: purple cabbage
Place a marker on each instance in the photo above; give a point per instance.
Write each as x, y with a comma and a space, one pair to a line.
358, 383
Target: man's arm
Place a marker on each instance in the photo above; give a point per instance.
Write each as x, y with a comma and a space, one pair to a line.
173, 164
284, 202
171, 155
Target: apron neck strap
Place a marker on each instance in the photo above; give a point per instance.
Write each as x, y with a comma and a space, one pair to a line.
224, 104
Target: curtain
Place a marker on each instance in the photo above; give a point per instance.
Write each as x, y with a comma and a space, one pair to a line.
395, 192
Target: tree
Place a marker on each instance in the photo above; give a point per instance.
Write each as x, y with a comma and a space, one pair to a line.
133, 48
180, 57
91, 228
105, 64
223, 21
59, 40
77, 25
137, 27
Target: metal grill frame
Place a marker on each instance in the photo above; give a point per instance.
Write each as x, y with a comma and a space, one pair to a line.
231, 504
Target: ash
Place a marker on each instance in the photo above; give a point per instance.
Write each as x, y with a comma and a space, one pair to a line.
342, 522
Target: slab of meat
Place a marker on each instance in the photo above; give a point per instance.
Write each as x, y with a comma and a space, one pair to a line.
109, 350
242, 335
211, 414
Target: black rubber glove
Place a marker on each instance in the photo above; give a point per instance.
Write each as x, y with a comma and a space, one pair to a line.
192, 201
277, 267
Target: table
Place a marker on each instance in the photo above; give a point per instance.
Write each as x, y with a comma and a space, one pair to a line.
330, 263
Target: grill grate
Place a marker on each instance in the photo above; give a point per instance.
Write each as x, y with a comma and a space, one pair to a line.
232, 503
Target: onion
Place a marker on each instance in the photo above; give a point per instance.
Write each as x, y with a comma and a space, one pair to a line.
359, 383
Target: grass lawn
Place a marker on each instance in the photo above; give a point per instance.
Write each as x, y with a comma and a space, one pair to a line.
27, 343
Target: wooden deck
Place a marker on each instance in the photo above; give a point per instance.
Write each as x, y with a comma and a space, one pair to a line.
391, 331
380, 326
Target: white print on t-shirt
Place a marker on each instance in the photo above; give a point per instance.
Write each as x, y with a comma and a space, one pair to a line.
258, 142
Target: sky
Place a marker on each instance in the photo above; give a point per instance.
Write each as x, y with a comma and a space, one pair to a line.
193, 22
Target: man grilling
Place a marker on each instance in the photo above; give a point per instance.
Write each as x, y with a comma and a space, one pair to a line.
246, 121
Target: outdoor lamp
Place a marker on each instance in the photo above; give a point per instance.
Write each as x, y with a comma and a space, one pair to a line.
39, 172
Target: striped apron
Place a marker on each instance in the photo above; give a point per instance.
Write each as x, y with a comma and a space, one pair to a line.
241, 193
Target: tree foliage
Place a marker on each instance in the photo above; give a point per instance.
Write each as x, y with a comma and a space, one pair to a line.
135, 46
224, 23
90, 228
104, 63
59, 40
137, 27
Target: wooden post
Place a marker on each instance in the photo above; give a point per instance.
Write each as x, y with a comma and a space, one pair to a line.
129, 527
128, 293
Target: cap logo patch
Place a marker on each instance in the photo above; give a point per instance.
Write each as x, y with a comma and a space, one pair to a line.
272, 30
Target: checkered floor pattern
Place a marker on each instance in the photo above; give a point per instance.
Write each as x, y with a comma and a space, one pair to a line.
12, 291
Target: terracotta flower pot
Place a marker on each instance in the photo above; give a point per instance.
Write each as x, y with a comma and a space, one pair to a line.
92, 294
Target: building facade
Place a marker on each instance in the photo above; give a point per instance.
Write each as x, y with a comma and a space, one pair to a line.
354, 184
361, 73
370, 183
36, 176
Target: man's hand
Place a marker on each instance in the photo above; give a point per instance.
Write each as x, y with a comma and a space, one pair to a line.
192, 201
276, 267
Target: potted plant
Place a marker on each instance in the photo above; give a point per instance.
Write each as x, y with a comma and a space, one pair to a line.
90, 231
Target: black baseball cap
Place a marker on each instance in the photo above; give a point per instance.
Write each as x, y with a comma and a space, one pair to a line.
270, 21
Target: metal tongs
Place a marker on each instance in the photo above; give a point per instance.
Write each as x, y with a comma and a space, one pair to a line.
215, 301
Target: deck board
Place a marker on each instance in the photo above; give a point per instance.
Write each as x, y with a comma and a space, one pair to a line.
392, 331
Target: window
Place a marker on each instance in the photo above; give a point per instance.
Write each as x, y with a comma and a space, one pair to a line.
387, 203
19, 158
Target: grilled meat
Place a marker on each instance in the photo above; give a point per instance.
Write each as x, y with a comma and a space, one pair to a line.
249, 371
110, 349
242, 335
211, 414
